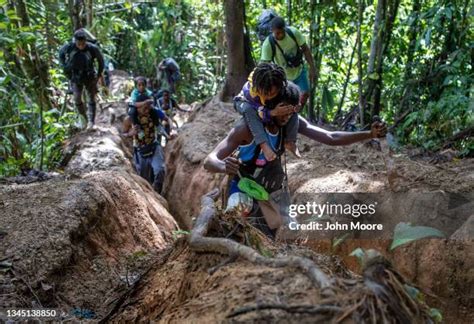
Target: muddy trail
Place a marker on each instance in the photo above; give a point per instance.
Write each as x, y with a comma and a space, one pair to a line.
96, 241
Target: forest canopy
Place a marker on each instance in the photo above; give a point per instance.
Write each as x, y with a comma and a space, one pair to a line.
409, 61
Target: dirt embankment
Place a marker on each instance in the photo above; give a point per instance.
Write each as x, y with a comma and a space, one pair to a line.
77, 240
186, 179
440, 267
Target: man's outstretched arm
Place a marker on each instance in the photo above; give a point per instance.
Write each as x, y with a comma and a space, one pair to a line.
220, 159
340, 138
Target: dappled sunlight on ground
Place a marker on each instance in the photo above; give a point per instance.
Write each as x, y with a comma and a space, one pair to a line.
342, 181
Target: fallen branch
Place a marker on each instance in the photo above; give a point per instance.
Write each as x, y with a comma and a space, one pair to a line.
11, 125
309, 309
198, 242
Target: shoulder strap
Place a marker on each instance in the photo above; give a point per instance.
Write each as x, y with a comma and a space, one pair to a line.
293, 37
274, 43
271, 40
72, 50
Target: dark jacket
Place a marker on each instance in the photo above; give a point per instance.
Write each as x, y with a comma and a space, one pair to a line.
79, 65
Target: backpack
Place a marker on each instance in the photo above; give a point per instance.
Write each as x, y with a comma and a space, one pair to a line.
264, 23
291, 61
69, 69
89, 38
173, 67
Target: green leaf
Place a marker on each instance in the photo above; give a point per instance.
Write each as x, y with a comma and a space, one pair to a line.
406, 233
436, 315
179, 232
359, 254
414, 293
427, 38
27, 37
21, 138
7, 40
339, 240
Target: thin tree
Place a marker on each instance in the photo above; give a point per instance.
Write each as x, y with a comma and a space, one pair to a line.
36, 69
359, 62
346, 82
385, 15
90, 12
76, 8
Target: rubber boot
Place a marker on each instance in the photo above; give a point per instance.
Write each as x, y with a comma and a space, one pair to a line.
91, 108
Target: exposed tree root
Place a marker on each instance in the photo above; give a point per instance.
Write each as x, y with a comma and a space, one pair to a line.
199, 242
308, 309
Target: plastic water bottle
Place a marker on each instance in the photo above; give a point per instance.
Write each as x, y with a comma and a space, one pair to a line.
141, 134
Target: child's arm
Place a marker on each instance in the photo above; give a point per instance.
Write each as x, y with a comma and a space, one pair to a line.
132, 113
255, 124
253, 121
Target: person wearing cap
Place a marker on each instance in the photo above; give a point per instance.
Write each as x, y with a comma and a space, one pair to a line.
148, 156
78, 59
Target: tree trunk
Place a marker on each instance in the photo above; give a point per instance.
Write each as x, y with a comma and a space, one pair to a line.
383, 51
346, 82
376, 35
383, 24
359, 63
318, 62
412, 36
90, 13
37, 70
75, 9
311, 47
237, 71
289, 11
249, 61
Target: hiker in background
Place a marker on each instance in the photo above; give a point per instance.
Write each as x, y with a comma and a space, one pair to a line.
148, 156
78, 60
165, 102
168, 74
140, 90
154, 86
256, 102
236, 154
286, 46
109, 68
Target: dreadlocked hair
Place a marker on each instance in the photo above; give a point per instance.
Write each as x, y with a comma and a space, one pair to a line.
268, 75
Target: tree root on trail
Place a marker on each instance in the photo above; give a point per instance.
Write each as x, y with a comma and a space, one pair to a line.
309, 309
198, 242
